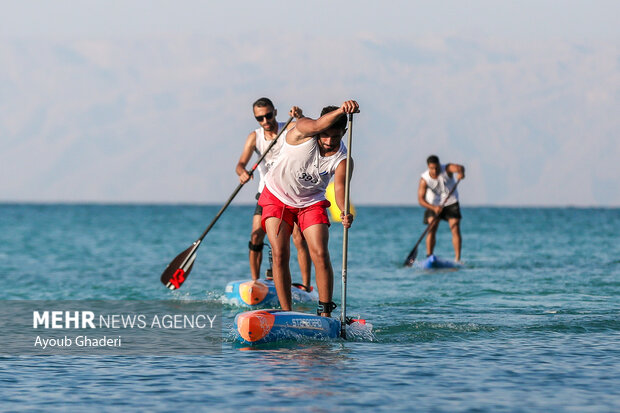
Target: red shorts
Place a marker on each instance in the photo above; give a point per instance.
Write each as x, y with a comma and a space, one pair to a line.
304, 217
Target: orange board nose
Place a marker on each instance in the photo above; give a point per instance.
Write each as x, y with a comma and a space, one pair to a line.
254, 325
253, 292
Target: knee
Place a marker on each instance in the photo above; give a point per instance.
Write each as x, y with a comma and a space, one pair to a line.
280, 256
257, 236
320, 255
299, 240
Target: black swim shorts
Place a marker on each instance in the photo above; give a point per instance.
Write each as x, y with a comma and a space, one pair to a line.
259, 209
449, 212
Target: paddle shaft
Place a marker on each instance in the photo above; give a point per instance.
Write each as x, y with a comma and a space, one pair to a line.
428, 227
235, 192
251, 173
345, 234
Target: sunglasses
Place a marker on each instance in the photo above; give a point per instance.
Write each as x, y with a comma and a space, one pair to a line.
267, 116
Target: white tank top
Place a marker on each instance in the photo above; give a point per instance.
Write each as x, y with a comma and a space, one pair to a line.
437, 189
300, 175
261, 146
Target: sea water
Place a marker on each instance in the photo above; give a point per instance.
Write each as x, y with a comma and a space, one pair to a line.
530, 323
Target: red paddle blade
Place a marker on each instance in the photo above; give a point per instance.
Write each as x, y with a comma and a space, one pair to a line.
177, 271
411, 258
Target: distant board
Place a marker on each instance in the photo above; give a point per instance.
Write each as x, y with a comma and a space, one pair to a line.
433, 262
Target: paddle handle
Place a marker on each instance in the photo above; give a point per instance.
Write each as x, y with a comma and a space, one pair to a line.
345, 234
251, 173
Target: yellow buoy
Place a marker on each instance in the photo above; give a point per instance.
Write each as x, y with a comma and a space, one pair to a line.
334, 211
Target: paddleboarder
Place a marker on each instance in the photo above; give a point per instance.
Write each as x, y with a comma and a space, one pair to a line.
257, 142
434, 189
294, 193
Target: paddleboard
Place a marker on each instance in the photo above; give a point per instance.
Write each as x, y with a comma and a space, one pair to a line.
269, 326
433, 262
262, 293
266, 326
334, 211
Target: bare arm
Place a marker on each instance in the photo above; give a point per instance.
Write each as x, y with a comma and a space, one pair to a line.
422, 200
246, 155
453, 168
339, 188
307, 127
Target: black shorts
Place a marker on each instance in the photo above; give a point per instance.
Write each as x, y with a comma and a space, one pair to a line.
259, 209
450, 212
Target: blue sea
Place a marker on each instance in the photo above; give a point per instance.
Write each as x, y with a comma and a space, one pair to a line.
530, 323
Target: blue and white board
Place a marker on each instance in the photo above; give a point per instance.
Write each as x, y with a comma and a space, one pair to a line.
262, 293
267, 326
270, 326
433, 262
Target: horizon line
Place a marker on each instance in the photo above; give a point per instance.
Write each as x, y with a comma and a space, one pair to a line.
245, 204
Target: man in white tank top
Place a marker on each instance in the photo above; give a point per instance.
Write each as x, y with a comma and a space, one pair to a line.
435, 186
294, 193
257, 142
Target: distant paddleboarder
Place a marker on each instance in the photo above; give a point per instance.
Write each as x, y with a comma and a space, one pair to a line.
294, 193
435, 186
257, 142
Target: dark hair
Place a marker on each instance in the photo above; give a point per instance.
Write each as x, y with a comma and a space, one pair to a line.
263, 102
341, 121
432, 159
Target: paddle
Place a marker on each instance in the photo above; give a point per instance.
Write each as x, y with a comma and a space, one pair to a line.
414, 252
177, 271
345, 234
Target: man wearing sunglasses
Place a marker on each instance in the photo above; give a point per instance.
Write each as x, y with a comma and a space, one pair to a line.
258, 141
294, 195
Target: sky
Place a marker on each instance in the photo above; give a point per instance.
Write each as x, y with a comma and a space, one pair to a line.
150, 101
